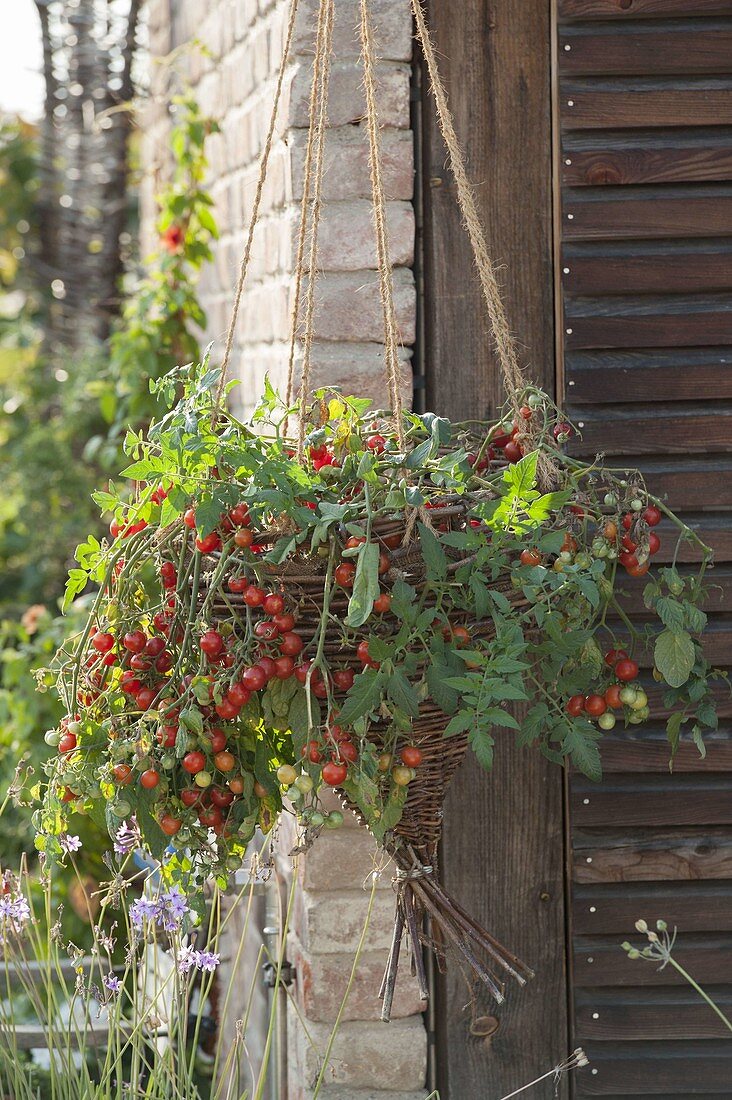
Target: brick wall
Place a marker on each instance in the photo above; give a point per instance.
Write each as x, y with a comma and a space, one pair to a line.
235, 83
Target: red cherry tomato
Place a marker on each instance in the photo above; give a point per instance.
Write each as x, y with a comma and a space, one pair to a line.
284, 623
346, 752
291, 644
334, 774
513, 451
626, 669
218, 740
613, 656
170, 825
122, 774
135, 641
382, 603
652, 515
208, 543
211, 643
189, 518
284, 668
345, 574
530, 557
102, 642
575, 705
312, 752
193, 762
411, 756
254, 678
273, 604
612, 696
595, 705
238, 695
238, 585
343, 678
150, 779
654, 543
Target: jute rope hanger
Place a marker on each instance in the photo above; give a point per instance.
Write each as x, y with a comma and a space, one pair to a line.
514, 380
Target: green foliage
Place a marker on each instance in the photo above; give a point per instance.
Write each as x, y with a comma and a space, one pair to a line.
159, 323
509, 606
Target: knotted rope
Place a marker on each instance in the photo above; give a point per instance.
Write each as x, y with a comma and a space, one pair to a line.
386, 275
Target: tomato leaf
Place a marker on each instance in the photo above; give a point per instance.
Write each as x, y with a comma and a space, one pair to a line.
365, 585
362, 697
674, 654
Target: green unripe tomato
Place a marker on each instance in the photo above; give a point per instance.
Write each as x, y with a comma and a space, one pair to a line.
294, 794
402, 776
565, 556
316, 819
637, 716
640, 701
627, 695
168, 762
636, 505
533, 401
583, 561
607, 720
306, 814
52, 738
203, 779
610, 500
334, 820
612, 553
304, 783
121, 809
676, 587
75, 728
286, 775
183, 835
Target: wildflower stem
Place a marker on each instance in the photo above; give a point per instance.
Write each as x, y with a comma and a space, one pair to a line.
687, 977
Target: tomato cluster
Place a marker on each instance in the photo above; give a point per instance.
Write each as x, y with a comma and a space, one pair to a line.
624, 694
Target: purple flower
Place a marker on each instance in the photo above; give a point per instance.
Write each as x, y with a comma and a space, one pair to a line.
186, 960
141, 910
207, 960
14, 914
127, 837
69, 843
112, 983
174, 903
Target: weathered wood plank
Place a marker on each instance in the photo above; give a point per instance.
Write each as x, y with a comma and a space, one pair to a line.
681, 800
630, 108
693, 907
692, 1068
495, 60
661, 855
664, 330
651, 375
654, 270
623, 754
650, 1014
661, 164
602, 962
640, 9
653, 217
674, 430
683, 50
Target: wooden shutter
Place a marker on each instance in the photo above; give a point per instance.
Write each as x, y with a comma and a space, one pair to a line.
644, 105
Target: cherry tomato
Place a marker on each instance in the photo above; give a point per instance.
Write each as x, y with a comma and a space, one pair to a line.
238, 585
312, 752
221, 798
218, 740
284, 623
384, 564
191, 796
139, 663
595, 705
612, 696
268, 667
513, 453
226, 709
150, 779
210, 816
362, 652
236, 785
193, 762
102, 642
208, 543
273, 604
146, 697
355, 540
628, 560
266, 630
376, 443
610, 531
170, 825
629, 544
334, 774
211, 643
345, 574
189, 518
626, 669
652, 515
382, 603
240, 515
239, 695
530, 557
343, 678
613, 656
67, 742
135, 641
168, 574
402, 776
411, 756
167, 736
639, 570
225, 761
575, 705
284, 667
164, 663
154, 646
122, 774
628, 520
254, 678
461, 635
654, 543
346, 752
291, 644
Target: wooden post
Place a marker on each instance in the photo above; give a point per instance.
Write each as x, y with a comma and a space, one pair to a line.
503, 850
